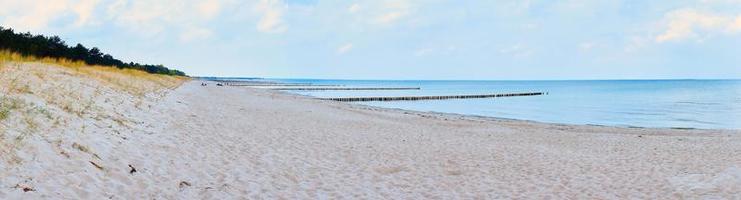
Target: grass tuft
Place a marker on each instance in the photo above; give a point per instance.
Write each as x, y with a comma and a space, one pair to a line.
7, 105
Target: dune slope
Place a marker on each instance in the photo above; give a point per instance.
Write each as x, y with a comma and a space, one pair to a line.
69, 130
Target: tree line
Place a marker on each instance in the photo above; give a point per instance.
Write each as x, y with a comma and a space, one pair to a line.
55, 47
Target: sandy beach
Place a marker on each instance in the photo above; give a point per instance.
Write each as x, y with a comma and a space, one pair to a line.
210, 142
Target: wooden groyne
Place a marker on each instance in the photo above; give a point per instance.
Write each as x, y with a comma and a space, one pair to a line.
281, 85
348, 88
261, 83
416, 98
245, 82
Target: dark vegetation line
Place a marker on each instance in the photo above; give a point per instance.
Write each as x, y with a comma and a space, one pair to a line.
53, 47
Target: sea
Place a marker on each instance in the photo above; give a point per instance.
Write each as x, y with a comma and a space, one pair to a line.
681, 104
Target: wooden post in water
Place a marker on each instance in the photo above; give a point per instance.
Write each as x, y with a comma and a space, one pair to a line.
416, 98
348, 88
283, 85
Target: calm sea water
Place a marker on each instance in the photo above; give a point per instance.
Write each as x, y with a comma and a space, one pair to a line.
705, 104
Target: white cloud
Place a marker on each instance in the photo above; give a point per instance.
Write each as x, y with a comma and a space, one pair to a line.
689, 23
389, 17
32, 15
144, 18
155, 17
393, 12
209, 8
272, 16
736, 26
188, 19
353, 8
85, 10
36, 15
516, 7
721, 1
344, 48
115, 8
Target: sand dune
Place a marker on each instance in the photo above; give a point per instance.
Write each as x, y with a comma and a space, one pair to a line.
229, 142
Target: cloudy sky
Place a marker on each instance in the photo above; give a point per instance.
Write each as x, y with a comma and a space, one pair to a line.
404, 39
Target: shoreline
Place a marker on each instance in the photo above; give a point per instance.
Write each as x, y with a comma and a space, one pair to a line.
511, 120
712, 107
210, 142
556, 160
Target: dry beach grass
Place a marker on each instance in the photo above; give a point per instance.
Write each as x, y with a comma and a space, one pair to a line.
88, 133
48, 107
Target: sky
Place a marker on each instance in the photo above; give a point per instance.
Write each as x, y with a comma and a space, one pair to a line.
404, 39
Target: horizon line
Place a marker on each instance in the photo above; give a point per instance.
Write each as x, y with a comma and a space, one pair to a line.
365, 79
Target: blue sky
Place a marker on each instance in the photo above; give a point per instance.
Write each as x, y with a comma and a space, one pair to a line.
404, 39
